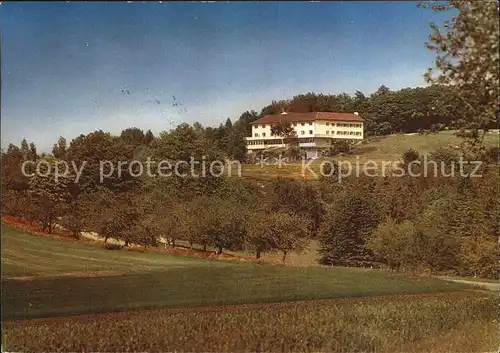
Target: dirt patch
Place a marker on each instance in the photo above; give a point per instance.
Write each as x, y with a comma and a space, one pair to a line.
66, 274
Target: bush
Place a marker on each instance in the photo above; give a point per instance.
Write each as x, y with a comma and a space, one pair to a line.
410, 155
480, 255
493, 155
394, 244
339, 146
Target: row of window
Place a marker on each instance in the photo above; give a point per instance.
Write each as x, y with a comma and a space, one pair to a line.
278, 142
345, 125
352, 133
264, 134
302, 124
327, 124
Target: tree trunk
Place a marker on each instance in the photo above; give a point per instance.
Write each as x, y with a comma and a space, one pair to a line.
283, 259
126, 242
257, 254
105, 239
205, 247
219, 250
190, 245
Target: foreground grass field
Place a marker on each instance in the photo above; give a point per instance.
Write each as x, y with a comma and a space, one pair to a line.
447, 322
43, 277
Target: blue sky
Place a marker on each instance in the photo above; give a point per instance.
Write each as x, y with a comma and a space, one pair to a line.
72, 68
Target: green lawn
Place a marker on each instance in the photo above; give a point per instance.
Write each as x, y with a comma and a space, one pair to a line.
129, 280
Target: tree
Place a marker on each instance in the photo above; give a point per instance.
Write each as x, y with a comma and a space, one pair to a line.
49, 194
77, 213
467, 58
277, 231
103, 205
395, 244
259, 238
409, 156
33, 153
123, 217
382, 90
288, 233
60, 149
221, 224
173, 222
148, 138
346, 226
283, 129
133, 136
25, 149
246, 119
235, 142
12, 176
339, 146
197, 174
92, 149
295, 197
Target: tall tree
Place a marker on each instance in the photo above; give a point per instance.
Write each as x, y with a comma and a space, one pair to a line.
49, 193
347, 224
283, 129
467, 58
60, 148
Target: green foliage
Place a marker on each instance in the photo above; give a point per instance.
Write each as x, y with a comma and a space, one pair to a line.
395, 243
346, 226
339, 146
405, 246
278, 231
60, 149
220, 223
287, 232
481, 256
467, 58
410, 156
284, 130
407, 110
295, 197
49, 194
92, 149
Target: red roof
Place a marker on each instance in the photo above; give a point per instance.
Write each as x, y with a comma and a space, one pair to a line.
297, 117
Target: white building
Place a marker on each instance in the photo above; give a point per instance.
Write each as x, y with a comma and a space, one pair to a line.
314, 131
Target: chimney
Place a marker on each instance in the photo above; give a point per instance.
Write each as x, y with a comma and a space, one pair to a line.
356, 113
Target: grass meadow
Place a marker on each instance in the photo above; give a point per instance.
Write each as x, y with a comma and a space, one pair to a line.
65, 295
450, 322
379, 150
45, 277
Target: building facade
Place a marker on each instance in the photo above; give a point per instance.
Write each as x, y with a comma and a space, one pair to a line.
315, 131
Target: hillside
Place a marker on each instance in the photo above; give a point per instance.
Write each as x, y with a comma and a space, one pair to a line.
59, 277
378, 149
